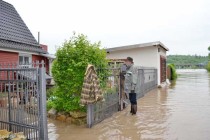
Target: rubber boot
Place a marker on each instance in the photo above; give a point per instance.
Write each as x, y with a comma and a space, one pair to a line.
123, 105
131, 109
134, 109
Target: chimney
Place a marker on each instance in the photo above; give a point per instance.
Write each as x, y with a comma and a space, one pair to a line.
38, 37
44, 47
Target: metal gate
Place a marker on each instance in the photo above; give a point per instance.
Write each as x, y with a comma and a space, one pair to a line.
23, 100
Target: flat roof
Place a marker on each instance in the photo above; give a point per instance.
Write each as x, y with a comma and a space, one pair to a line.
157, 43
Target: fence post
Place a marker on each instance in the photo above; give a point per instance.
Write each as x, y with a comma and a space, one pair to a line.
156, 79
43, 133
9, 100
143, 81
121, 84
90, 115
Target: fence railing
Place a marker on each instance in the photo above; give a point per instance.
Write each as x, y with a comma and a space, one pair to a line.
114, 97
23, 100
147, 80
101, 110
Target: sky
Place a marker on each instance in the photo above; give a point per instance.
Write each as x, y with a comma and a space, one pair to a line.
181, 25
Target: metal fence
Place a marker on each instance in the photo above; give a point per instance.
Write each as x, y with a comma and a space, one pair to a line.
103, 109
147, 80
23, 100
114, 95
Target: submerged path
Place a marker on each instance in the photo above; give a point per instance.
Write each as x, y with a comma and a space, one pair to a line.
178, 112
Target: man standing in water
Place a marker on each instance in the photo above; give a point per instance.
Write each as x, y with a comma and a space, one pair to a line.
130, 83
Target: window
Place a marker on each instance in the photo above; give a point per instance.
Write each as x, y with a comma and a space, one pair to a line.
24, 60
20, 60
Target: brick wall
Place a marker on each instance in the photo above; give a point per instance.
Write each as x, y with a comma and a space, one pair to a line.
44, 47
8, 57
40, 58
162, 69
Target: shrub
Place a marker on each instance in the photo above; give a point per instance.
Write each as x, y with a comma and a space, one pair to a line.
173, 71
69, 68
49, 105
208, 67
50, 92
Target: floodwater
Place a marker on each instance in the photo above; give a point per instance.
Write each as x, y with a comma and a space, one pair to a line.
180, 111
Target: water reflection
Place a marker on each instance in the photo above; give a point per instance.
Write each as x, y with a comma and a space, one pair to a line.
180, 111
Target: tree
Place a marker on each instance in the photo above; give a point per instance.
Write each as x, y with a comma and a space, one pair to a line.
69, 68
209, 52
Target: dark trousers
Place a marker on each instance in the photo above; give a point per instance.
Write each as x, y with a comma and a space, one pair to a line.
132, 98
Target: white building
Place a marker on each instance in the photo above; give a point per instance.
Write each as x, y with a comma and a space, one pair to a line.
151, 54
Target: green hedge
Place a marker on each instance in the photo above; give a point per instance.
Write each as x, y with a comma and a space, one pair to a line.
208, 67
173, 71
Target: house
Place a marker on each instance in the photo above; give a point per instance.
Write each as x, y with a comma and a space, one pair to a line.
17, 44
151, 54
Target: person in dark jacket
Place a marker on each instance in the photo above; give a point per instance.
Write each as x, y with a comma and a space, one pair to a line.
130, 83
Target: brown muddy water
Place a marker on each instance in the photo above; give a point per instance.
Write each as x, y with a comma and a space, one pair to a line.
177, 112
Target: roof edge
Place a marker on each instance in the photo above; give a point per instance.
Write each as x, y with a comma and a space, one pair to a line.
156, 43
25, 47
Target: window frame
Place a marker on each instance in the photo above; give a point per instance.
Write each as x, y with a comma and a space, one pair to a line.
29, 56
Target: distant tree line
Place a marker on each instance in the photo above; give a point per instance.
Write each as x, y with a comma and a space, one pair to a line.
208, 66
187, 59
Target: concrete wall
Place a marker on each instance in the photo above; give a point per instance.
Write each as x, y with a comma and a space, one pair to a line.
146, 57
142, 56
162, 52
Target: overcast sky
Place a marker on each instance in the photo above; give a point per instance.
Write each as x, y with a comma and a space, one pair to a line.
182, 25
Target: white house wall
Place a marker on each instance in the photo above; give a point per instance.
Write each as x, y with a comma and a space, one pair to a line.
162, 52
146, 57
